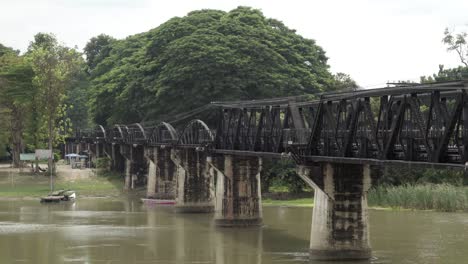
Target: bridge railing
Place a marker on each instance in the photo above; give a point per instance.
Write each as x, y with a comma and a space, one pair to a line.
135, 136
161, 137
117, 134
296, 136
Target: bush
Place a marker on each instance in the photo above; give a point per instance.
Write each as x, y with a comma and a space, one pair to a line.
281, 174
57, 156
397, 175
102, 163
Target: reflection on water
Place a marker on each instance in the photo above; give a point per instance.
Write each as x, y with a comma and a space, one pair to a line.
103, 231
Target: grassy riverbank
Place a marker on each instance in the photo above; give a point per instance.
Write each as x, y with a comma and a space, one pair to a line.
20, 185
303, 202
439, 197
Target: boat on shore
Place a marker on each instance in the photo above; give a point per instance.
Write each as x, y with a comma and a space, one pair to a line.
58, 196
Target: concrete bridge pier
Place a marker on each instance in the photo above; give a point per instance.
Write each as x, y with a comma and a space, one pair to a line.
194, 186
238, 192
93, 152
134, 165
151, 182
126, 152
99, 150
340, 228
107, 152
79, 148
161, 171
117, 162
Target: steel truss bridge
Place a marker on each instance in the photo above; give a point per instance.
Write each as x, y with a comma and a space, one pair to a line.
334, 139
423, 124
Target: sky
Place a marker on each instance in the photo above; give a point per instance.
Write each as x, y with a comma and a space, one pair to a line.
375, 41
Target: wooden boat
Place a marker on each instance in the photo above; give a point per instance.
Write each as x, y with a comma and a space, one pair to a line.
57, 196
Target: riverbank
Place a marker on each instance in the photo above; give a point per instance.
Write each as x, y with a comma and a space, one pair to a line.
25, 185
302, 202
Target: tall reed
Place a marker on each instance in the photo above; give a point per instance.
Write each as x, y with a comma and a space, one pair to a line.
440, 197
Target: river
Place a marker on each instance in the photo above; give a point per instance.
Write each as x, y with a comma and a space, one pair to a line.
126, 231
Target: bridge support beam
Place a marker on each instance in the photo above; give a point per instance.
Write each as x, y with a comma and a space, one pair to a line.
151, 183
161, 171
117, 159
128, 174
126, 151
238, 193
135, 165
194, 189
340, 229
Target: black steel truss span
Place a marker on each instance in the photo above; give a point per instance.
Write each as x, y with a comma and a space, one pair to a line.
415, 123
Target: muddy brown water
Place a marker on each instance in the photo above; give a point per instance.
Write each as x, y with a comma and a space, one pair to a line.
125, 231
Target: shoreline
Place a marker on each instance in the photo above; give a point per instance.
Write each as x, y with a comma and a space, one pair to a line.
268, 203
27, 186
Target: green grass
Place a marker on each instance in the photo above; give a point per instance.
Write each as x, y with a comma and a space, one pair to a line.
27, 185
440, 197
305, 202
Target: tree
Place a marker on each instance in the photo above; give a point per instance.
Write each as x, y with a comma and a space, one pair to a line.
54, 66
16, 89
443, 74
344, 82
206, 56
457, 42
97, 49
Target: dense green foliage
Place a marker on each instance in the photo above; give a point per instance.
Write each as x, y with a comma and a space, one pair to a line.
401, 175
15, 102
343, 82
281, 173
35, 89
206, 56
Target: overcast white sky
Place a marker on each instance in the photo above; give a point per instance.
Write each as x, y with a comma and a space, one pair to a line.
374, 41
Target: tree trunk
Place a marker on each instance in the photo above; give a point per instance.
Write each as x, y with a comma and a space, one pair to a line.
51, 159
16, 135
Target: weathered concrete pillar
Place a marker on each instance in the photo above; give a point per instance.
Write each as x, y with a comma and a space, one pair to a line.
165, 174
113, 157
126, 152
194, 188
139, 165
98, 150
238, 192
340, 228
151, 183
128, 174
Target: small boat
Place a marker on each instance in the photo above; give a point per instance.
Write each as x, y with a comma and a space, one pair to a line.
57, 196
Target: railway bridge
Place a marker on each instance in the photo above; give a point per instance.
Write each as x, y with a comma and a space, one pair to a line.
210, 159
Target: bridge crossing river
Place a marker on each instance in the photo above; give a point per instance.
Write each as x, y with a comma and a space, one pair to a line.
211, 158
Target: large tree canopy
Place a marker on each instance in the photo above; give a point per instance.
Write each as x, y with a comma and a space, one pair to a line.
205, 56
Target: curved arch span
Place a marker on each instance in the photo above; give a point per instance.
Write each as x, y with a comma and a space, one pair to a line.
196, 132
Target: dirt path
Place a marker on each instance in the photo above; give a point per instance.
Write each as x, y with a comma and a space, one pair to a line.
65, 172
